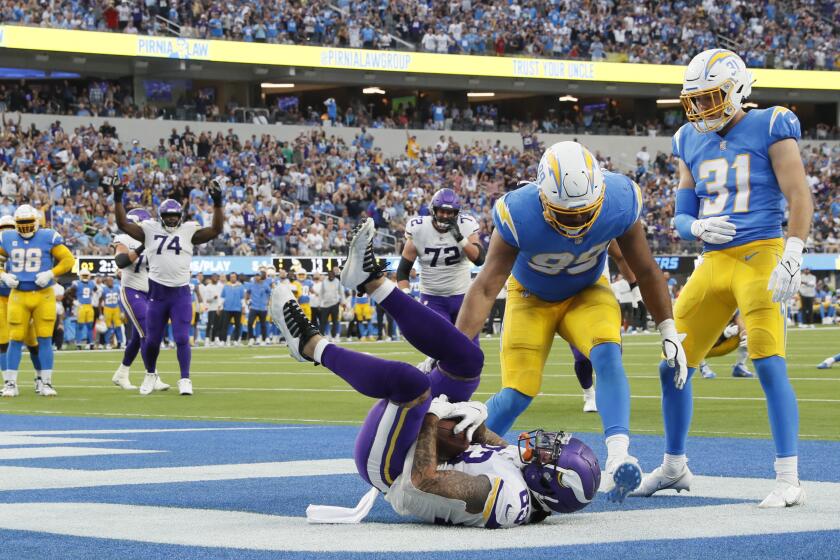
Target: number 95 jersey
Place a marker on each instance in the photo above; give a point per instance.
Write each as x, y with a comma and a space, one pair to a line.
169, 254
27, 257
554, 267
444, 267
733, 175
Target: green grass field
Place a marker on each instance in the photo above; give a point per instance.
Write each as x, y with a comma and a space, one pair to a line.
263, 384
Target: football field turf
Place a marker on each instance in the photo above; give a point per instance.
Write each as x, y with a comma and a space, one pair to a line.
228, 473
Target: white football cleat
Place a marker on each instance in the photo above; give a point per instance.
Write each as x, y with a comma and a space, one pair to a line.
826, 364
47, 390
289, 318
589, 400
38, 383
121, 380
149, 382
784, 495
160, 385
185, 386
10, 389
360, 264
658, 480
621, 478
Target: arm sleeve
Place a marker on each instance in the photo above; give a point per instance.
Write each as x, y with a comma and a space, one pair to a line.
686, 211
404, 269
122, 260
65, 260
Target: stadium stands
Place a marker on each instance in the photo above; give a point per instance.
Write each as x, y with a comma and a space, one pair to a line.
799, 37
302, 197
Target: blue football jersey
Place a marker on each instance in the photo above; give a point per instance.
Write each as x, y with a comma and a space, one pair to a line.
733, 174
28, 257
111, 296
84, 291
4, 289
554, 267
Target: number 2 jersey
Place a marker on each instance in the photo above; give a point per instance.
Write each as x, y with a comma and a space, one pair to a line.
169, 254
508, 505
733, 175
136, 275
554, 267
444, 267
27, 257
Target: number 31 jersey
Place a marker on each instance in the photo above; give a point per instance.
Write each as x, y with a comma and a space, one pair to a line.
554, 267
733, 175
169, 254
444, 267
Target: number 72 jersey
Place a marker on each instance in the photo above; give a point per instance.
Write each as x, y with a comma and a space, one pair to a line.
733, 175
169, 254
554, 267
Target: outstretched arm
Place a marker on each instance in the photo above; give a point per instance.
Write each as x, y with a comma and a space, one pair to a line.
133, 230
409, 255
636, 251
483, 291
209, 233
472, 490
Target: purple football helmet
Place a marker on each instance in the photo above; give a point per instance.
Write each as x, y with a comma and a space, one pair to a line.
445, 200
137, 215
562, 472
171, 213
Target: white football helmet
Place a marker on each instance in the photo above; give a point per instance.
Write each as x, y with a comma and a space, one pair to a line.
716, 82
7, 222
26, 221
571, 188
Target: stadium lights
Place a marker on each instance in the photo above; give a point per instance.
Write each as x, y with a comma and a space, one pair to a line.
372, 90
750, 105
568, 98
481, 94
667, 101
267, 85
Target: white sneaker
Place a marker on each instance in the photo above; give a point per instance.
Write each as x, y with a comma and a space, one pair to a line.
206, 342
38, 383
47, 390
289, 318
160, 385
784, 495
826, 364
360, 264
171, 345
237, 343
185, 386
589, 400
250, 342
658, 480
121, 380
621, 478
10, 389
149, 382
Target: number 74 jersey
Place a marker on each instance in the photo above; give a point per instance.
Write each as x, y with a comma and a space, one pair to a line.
169, 254
554, 267
733, 175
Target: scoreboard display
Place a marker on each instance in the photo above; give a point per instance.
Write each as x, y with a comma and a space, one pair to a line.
97, 266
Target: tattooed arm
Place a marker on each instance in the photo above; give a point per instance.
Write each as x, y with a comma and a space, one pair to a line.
485, 435
473, 490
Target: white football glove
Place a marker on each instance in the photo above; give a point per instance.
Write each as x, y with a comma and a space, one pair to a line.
9, 279
730, 331
42, 279
673, 351
716, 230
427, 365
472, 413
441, 407
787, 276
636, 294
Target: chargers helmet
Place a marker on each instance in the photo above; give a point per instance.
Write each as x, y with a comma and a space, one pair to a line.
171, 213
445, 208
7, 222
715, 84
137, 215
84, 274
562, 472
26, 221
571, 188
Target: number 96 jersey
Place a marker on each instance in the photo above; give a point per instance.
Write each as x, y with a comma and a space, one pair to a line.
444, 267
27, 257
169, 254
554, 267
733, 175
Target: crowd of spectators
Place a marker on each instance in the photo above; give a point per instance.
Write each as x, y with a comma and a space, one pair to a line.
302, 197
102, 98
768, 33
